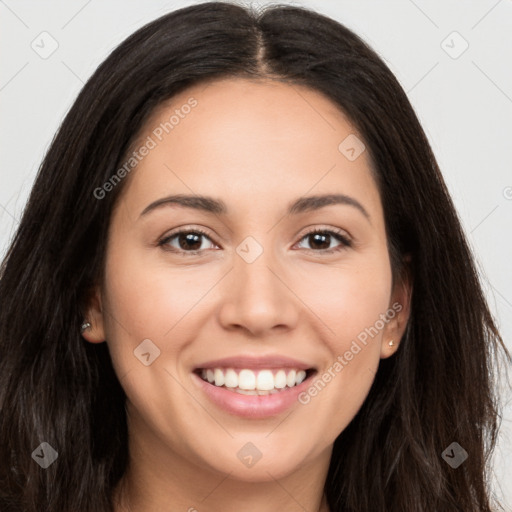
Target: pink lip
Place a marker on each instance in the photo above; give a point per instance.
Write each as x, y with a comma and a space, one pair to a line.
251, 406
253, 362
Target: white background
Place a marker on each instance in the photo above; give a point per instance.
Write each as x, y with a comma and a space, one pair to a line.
464, 104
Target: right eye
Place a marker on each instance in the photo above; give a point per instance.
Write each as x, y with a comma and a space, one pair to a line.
189, 241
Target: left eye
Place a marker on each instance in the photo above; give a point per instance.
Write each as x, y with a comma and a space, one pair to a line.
189, 241
323, 237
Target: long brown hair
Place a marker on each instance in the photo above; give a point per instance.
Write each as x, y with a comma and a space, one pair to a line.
54, 387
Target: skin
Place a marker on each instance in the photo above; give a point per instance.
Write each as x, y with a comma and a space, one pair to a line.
257, 145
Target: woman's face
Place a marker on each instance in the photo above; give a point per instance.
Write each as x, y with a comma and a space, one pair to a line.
255, 287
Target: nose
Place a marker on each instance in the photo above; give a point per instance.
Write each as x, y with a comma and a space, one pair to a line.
258, 297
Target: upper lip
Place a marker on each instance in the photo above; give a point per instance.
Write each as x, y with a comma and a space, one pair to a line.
245, 361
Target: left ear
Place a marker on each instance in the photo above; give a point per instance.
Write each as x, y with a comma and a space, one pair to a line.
398, 312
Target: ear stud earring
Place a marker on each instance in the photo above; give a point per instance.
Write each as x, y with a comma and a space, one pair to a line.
391, 343
85, 326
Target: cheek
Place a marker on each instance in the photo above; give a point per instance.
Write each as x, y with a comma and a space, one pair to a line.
146, 294
150, 310
364, 297
349, 301
148, 300
348, 298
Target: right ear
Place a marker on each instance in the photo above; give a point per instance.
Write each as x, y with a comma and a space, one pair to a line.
94, 315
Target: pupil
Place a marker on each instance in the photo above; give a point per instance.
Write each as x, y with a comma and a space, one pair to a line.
317, 236
191, 239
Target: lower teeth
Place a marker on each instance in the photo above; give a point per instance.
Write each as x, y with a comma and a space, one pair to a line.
253, 391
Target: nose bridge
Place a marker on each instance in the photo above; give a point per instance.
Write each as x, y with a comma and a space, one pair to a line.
257, 298
252, 269
253, 266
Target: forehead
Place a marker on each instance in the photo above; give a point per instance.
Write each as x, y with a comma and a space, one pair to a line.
261, 140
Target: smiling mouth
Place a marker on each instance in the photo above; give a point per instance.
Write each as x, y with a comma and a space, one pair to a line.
254, 382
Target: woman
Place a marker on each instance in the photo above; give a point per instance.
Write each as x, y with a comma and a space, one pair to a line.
172, 336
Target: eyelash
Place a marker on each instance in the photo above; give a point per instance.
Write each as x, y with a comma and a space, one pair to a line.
338, 235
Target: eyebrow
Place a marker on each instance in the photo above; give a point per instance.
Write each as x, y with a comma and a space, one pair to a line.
218, 207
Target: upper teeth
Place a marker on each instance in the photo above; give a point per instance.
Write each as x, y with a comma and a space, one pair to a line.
262, 380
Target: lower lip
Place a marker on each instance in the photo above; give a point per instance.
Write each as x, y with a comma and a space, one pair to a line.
252, 406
